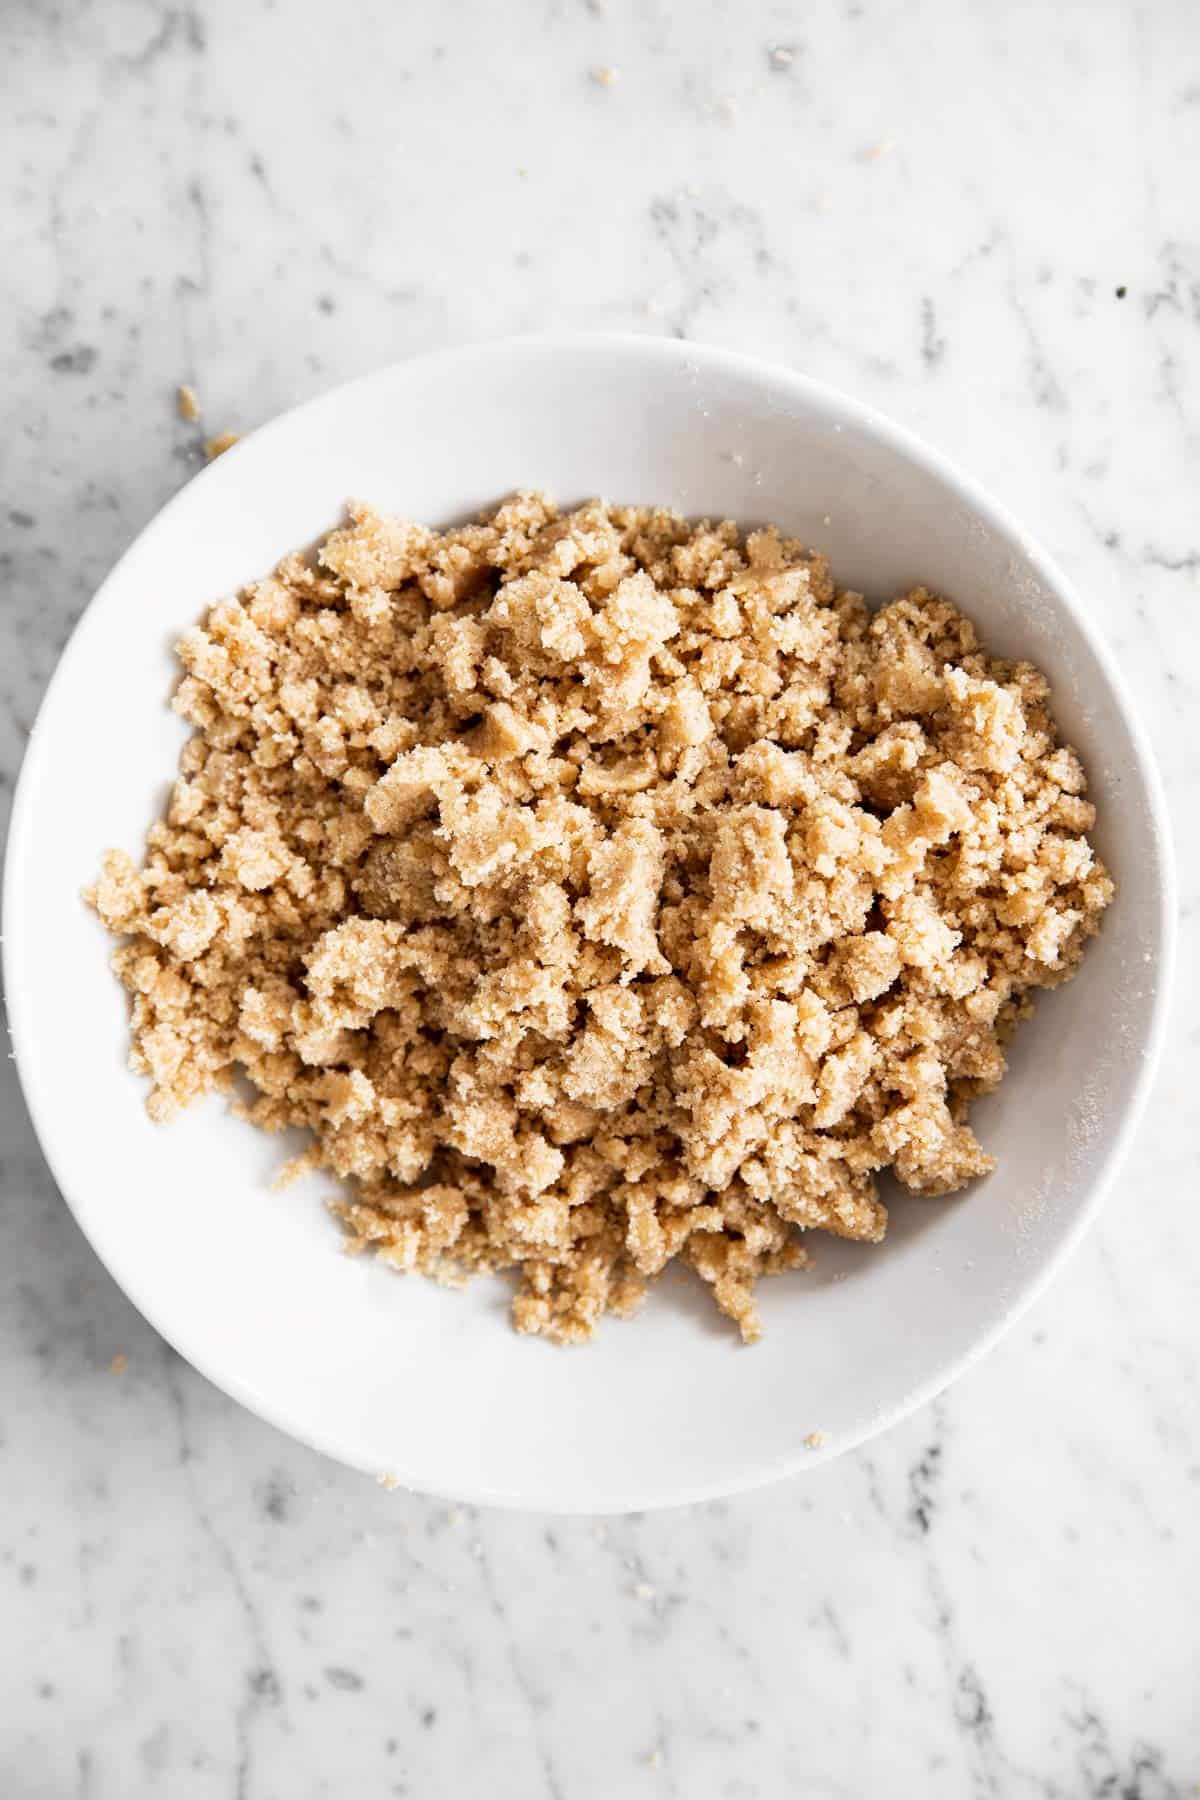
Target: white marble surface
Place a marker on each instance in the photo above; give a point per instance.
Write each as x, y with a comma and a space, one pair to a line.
938, 207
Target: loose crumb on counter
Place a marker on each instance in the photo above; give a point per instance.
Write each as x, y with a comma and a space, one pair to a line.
186, 403
599, 889
217, 446
119, 1363
816, 1440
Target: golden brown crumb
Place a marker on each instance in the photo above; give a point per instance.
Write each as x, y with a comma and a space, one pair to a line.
119, 1363
187, 404
387, 1480
599, 889
605, 77
217, 446
816, 1439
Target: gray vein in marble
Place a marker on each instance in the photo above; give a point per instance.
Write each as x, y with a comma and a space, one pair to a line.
262, 1687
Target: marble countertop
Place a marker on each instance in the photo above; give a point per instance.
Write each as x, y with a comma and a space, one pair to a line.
984, 221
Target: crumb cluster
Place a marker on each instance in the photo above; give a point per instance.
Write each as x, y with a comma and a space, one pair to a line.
600, 889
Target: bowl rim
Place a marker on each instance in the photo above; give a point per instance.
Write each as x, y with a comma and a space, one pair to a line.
905, 444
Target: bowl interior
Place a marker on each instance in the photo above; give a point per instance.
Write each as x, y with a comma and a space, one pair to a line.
392, 1374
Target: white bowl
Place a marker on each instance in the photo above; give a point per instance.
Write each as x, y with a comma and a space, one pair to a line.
397, 1375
